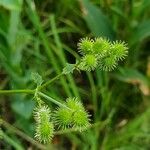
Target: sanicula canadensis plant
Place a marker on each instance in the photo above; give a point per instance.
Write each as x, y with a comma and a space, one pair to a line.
98, 53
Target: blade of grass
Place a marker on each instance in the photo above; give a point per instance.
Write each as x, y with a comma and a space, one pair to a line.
36, 22
62, 55
94, 93
97, 22
11, 142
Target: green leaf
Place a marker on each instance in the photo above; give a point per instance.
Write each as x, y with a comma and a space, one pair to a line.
23, 107
134, 77
131, 76
37, 78
97, 22
26, 125
11, 4
69, 68
141, 32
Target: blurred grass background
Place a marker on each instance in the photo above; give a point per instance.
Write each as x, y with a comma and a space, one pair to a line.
42, 36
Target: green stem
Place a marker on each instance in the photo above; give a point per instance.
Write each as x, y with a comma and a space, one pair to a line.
10, 141
27, 91
50, 81
52, 100
94, 92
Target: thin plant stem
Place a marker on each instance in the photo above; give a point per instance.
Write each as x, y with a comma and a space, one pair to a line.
21, 134
26, 91
50, 81
52, 100
11, 142
94, 92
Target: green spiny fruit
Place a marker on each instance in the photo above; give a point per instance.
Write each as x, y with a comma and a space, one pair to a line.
119, 49
101, 46
85, 46
80, 120
74, 104
108, 63
44, 128
42, 113
101, 52
44, 131
88, 62
73, 116
62, 117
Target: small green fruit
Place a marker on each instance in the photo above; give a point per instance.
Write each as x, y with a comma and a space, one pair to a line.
44, 132
88, 62
119, 49
101, 46
85, 46
62, 117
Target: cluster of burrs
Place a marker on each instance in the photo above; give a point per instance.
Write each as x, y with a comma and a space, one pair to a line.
72, 116
100, 53
97, 53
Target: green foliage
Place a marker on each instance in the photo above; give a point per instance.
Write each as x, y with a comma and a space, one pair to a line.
11, 4
69, 68
97, 22
141, 32
37, 78
32, 39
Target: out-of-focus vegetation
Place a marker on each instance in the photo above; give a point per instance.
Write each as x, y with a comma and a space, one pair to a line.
41, 36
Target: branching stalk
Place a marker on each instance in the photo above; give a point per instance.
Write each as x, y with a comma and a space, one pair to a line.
52, 100
26, 91
50, 81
